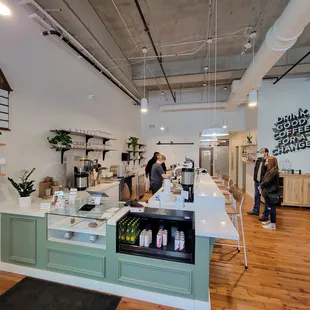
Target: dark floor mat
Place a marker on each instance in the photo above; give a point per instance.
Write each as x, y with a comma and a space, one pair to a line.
37, 294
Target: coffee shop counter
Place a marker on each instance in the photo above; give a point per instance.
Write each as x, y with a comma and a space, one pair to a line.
33, 243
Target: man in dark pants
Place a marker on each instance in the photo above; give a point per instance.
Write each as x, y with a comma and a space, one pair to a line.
260, 170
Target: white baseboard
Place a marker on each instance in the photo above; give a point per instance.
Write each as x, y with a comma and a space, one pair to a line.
124, 291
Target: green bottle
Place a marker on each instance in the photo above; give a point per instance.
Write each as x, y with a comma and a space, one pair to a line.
128, 231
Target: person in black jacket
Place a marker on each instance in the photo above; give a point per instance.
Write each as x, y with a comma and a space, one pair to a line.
150, 164
260, 170
270, 190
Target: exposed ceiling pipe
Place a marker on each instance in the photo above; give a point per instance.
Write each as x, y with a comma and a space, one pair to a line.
191, 106
82, 50
159, 59
280, 37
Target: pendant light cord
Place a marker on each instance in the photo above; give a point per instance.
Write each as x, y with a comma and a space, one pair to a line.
144, 76
253, 63
215, 62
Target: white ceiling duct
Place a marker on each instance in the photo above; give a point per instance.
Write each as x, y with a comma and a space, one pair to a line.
280, 37
191, 106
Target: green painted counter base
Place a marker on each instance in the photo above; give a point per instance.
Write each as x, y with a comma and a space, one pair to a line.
24, 242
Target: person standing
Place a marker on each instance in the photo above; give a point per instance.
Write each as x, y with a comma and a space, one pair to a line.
260, 170
158, 174
269, 188
150, 164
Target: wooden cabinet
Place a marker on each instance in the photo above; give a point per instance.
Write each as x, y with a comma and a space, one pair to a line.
306, 191
296, 190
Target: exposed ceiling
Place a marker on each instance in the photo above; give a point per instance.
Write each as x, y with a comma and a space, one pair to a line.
113, 32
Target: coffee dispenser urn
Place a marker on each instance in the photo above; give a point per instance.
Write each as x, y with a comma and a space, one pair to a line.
188, 177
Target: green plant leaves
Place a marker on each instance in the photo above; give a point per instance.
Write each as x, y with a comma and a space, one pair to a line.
25, 188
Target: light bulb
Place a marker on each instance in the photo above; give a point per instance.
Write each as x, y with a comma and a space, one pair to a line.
252, 98
224, 126
143, 105
4, 10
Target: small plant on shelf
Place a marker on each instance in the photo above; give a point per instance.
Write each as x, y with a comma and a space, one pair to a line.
24, 188
249, 138
62, 140
134, 143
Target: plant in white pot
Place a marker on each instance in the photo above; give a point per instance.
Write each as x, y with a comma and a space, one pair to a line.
24, 188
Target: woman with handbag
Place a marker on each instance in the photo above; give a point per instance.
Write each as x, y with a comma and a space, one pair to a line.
270, 190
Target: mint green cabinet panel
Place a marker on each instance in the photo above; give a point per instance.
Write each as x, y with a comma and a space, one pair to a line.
75, 263
19, 239
202, 267
155, 277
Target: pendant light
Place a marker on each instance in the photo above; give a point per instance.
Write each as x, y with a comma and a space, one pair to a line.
144, 100
215, 130
252, 97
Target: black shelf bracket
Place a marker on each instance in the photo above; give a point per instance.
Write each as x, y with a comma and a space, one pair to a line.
62, 152
174, 143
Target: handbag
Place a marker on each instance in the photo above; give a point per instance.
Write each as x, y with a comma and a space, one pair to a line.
274, 198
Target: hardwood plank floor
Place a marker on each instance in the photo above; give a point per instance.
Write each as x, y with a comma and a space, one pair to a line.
278, 277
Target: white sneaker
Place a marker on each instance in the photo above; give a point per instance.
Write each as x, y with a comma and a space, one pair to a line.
270, 226
265, 223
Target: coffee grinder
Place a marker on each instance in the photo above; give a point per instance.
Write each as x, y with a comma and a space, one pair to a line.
188, 177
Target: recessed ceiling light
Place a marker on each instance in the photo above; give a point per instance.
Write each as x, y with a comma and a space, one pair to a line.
4, 10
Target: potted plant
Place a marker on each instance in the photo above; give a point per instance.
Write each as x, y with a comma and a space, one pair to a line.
134, 143
24, 188
62, 140
249, 138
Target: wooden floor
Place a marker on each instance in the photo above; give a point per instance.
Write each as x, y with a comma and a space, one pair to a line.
279, 268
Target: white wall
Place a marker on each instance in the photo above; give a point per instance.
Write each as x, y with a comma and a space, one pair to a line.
275, 101
51, 86
184, 126
247, 169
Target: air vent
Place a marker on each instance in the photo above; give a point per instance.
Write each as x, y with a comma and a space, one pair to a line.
152, 126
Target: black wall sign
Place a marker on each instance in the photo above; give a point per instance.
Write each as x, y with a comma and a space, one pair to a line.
292, 132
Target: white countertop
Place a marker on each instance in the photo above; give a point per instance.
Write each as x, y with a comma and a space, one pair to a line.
103, 187
9, 200
211, 219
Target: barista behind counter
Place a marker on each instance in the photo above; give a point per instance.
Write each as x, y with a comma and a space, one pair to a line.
150, 164
158, 174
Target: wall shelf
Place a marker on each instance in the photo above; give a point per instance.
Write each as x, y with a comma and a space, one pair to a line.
86, 149
62, 152
2, 174
74, 133
139, 151
174, 143
2, 144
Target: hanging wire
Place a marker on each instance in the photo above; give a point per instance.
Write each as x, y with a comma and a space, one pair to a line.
144, 77
215, 61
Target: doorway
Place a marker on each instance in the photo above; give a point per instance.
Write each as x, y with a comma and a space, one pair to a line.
206, 159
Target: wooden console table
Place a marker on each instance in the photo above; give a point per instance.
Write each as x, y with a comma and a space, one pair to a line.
296, 190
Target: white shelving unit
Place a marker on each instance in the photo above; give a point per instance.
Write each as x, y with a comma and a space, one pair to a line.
58, 225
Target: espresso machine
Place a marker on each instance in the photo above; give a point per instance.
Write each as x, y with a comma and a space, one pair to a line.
188, 177
78, 171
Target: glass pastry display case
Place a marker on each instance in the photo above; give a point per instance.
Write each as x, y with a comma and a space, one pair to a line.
83, 224
162, 234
